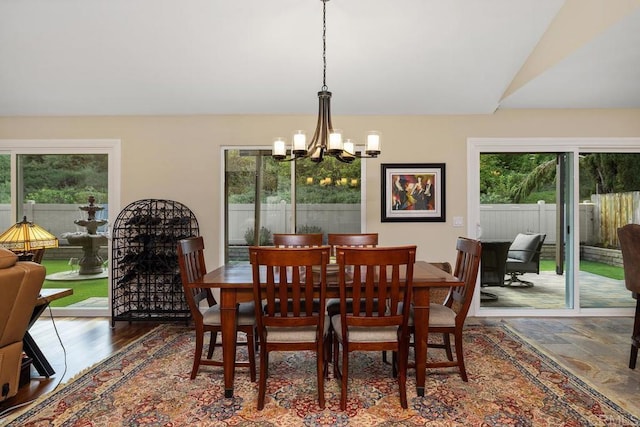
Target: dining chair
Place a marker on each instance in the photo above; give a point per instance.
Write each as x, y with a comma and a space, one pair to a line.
297, 276
448, 318
205, 310
352, 240
629, 237
304, 240
297, 240
362, 240
365, 277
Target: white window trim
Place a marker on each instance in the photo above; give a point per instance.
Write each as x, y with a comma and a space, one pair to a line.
111, 147
475, 146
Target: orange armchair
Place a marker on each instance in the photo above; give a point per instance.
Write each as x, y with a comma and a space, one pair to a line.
20, 284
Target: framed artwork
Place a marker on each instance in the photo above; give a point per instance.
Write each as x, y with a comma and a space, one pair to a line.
413, 192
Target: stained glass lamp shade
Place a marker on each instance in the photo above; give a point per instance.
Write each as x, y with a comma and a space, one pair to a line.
26, 236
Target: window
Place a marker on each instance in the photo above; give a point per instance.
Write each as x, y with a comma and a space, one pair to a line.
300, 197
48, 182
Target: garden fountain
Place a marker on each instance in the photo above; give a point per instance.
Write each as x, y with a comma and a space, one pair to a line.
91, 262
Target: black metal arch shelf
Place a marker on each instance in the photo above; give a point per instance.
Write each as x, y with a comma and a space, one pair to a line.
145, 278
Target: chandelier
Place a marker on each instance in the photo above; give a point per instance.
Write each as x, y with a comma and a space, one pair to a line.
326, 140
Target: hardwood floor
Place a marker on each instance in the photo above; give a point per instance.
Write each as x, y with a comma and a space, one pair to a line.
82, 343
596, 349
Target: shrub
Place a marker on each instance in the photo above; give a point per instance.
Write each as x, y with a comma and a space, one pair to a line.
263, 239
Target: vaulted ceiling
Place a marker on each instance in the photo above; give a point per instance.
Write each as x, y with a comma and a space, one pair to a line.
132, 57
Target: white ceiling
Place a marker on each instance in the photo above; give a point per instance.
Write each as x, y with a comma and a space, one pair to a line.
126, 57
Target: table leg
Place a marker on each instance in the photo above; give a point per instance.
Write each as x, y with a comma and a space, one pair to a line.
421, 331
228, 321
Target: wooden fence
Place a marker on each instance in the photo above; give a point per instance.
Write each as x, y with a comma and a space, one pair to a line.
613, 211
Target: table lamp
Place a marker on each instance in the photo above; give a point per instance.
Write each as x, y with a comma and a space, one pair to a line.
26, 237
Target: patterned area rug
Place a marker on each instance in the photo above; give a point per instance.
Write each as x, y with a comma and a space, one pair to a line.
147, 384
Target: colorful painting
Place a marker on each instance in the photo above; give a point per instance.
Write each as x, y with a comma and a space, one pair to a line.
413, 192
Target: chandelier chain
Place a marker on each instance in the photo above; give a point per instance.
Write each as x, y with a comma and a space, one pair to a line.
324, 44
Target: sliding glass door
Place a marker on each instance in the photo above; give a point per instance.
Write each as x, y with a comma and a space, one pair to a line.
576, 193
48, 182
523, 217
263, 197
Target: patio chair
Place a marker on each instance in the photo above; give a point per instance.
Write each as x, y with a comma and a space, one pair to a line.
524, 257
629, 237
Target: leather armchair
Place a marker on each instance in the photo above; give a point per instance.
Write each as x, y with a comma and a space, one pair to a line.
20, 284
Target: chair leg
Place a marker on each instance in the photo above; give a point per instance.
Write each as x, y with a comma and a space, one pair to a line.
635, 337
251, 347
446, 339
336, 356
394, 364
328, 352
460, 355
402, 356
262, 384
515, 279
197, 355
320, 368
633, 356
213, 338
345, 377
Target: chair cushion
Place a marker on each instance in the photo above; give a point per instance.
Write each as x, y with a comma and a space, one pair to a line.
295, 334
439, 315
524, 247
246, 314
365, 334
7, 258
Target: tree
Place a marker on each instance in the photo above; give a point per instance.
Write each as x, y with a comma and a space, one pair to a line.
614, 172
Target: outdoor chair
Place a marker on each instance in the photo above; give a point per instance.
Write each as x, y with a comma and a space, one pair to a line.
524, 257
286, 284
629, 237
367, 276
205, 310
448, 318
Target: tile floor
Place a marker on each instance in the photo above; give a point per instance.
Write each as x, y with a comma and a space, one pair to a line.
596, 349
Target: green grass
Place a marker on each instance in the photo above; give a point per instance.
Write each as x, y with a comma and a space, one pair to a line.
82, 289
605, 270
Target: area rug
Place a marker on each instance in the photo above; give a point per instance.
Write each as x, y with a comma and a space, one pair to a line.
147, 384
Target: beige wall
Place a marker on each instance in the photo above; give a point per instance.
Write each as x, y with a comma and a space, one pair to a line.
178, 158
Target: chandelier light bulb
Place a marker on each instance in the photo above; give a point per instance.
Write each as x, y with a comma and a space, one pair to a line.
349, 147
335, 141
279, 149
299, 143
373, 143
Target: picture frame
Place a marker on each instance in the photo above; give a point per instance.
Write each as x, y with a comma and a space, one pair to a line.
413, 192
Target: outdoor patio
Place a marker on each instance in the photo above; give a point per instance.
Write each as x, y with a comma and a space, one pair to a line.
549, 292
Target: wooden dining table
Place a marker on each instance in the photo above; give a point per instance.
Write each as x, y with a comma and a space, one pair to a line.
235, 282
